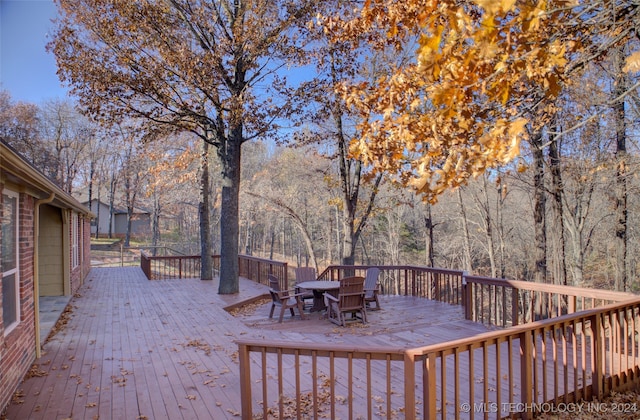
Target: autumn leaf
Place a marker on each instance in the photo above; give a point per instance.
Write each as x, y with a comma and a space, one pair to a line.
632, 64
461, 107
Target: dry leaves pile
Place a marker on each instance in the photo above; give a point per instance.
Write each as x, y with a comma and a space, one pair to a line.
65, 316
35, 372
289, 410
249, 308
200, 345
624, 406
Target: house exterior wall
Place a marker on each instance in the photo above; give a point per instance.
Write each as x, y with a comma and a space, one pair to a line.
101, 222
17, 348
31, 190
140, 225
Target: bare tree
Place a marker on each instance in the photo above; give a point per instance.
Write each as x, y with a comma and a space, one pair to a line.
210, 68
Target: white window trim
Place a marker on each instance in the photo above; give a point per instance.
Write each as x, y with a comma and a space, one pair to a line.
15, 271
75, 254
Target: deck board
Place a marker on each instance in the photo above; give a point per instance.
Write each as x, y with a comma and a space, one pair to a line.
135, 348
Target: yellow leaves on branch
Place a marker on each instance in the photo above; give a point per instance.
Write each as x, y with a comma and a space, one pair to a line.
458, 109
493, 7
632, 64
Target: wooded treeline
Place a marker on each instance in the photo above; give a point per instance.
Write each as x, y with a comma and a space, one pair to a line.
324, 178
291, 207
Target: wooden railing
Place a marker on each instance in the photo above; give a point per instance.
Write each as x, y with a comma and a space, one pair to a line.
257, 269
520, 371
427, 282
503, 303
188, 266
560, 345
162, 267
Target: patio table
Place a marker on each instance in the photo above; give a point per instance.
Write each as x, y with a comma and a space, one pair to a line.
319, 287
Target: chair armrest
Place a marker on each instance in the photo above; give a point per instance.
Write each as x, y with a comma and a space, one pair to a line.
331, 297
289, 294
352, 294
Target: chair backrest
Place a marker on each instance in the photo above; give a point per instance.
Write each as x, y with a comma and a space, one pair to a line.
351, 293
274, 289
370, 281
274, 283
305, 274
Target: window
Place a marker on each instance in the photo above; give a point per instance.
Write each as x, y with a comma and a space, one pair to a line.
75, 253
9, 266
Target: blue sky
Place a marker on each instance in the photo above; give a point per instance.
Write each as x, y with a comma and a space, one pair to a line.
27, 71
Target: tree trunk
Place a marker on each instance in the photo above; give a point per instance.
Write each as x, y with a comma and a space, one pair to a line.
622, 282
273, 242
351, 184
112, 197
131, 188
230, 154
127, 236
92, 171
339, 242
328, 257
97, 221
155, 223
557, 191
206, 258
429, 227
349, 239
539, 211
466, 239
502, 195
485, 208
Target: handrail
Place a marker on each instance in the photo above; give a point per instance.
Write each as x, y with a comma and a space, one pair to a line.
188, 266
502, 303
553, 288
508, 372
566, 344
443, 285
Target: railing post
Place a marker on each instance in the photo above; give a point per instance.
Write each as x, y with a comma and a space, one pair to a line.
597, 384
429, 387
410, 388
245, 382
572, 304
286, 274
526, 372
467, 301
145, 264
515, 303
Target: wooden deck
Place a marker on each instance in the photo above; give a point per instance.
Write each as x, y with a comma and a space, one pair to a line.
139, 349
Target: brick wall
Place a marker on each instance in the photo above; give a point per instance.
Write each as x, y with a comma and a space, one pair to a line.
17, 349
